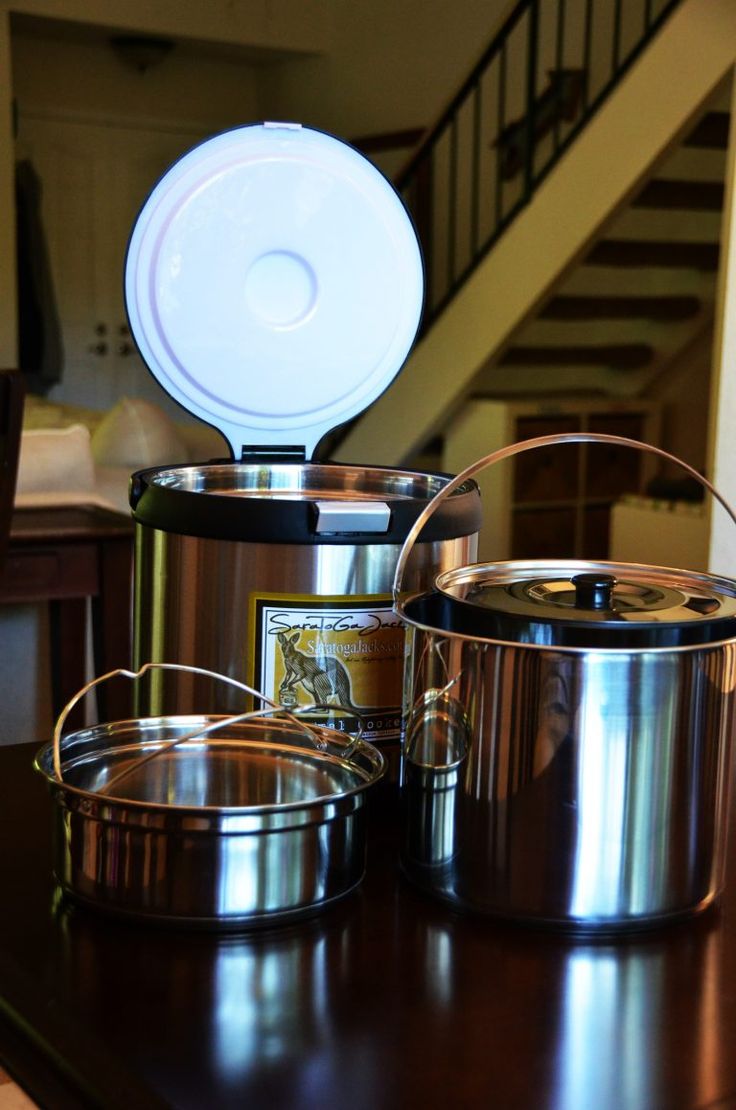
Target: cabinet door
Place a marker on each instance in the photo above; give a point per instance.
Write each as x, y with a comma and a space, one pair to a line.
546, 474
94, 180
611, 470
543, 534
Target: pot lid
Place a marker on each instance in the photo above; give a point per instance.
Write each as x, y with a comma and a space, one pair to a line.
274, 284
582, 603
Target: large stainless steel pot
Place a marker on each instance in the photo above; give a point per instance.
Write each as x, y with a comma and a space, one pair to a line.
567, 735
208, 820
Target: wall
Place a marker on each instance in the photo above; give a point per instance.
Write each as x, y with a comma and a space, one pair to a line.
8, 307
273, 25
390, 66
722, 433
186, 89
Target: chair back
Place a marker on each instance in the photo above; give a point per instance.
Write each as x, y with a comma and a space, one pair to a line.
12, 393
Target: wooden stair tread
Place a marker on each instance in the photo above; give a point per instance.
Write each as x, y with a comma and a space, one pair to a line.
711, 131
617, 356
569, 307
632, 252
693, 196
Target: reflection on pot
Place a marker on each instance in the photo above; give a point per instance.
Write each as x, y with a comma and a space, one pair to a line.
436, 744
585, 789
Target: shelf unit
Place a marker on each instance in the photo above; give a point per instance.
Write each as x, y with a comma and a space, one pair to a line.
552, 502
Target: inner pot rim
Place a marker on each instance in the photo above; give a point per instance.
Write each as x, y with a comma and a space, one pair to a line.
44, 758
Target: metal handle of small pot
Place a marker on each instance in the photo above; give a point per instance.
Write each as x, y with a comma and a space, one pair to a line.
272, 707
529, 445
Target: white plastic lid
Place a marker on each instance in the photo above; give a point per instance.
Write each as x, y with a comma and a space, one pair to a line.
274, 284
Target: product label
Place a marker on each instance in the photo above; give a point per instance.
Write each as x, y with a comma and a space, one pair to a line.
331, 651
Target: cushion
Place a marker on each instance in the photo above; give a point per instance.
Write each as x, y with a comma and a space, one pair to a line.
40, 412
136, 434
55, 459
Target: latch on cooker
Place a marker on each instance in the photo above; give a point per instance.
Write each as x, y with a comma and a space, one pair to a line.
352, 516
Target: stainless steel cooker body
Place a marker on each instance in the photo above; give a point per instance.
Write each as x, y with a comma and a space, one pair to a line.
193, 600
234, 560
586, 789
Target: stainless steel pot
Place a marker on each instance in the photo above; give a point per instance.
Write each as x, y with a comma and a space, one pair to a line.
567, 735
208, 820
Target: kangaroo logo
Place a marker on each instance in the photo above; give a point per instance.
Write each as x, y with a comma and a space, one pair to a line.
323, 677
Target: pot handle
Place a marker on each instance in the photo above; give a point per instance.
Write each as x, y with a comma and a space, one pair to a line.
272, 707
528, 445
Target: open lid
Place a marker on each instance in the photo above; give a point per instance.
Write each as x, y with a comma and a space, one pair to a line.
274, 284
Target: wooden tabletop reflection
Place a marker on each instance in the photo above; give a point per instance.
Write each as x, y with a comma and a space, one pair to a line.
388, 999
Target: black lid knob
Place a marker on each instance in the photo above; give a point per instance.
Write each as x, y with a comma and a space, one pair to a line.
594, 591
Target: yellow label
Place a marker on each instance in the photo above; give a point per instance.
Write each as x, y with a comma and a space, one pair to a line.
346, 651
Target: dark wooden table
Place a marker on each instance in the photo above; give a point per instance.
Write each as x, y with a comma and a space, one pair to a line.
62, 556
386, 1000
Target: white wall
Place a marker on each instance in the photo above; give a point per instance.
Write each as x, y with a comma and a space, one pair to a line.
722, 468
392, 64
8, 303
184, 89
283, 25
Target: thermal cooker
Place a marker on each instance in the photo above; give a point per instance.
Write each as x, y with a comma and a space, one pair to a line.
274, 287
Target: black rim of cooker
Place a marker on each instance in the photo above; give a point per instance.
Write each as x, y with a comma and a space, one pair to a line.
281, 520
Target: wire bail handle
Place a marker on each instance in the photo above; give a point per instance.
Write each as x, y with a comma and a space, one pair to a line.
529, 445
271, 707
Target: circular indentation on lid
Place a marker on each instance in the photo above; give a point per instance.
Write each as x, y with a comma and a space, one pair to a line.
280, 289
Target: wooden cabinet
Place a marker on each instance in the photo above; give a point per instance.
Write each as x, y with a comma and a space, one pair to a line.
552, 502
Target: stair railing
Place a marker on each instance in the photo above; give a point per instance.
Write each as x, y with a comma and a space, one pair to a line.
507, 126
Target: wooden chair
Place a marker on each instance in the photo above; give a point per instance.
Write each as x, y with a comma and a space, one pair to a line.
12, 393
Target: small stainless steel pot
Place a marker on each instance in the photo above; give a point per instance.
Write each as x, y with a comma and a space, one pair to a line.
209, 821
567, 735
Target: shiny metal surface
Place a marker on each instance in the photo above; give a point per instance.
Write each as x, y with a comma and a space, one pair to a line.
351, 516
320, 481
593, 790
638, 592
590, 790
245, 826
192, 601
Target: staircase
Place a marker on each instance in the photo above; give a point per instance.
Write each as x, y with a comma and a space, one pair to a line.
641, 294
583, 262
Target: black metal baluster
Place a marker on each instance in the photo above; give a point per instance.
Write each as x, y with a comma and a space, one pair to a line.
616, 37
587, 36
559, 59
531, 96
424, 209
500, 153
452, 205
475, 183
